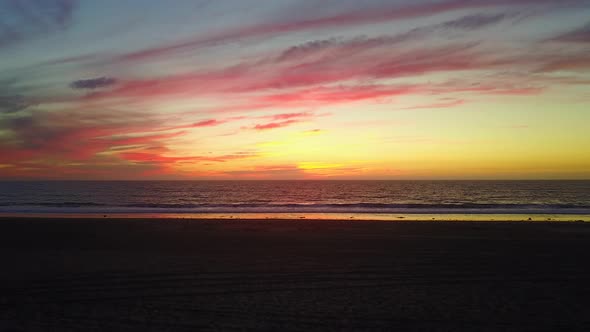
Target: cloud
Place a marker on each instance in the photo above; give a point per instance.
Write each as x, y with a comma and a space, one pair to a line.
377, 61
14, 103
288, 116
312, 83
340, 65
157, 158
284, 119
580, 35
93, 143
307, 74
361, 43
270, 172
333, 95
115, 143
499, 89
275, 125
313, 132
67, 134
139, 121
14, 99
200, 124
185, 84
575, 64
335, 46
207, 123
367, 15
22, 20
299, 51
477, 21
93, 83
441, 104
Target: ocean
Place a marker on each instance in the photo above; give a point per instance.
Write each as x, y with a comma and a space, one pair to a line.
390, 200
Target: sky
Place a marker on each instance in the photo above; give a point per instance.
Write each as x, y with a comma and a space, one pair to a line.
295, 89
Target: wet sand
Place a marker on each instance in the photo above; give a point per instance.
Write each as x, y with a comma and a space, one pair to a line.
300, 275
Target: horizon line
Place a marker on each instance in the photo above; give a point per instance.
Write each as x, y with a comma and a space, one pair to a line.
261, 180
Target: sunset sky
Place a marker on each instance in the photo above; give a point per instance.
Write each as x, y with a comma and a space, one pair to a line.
290, 89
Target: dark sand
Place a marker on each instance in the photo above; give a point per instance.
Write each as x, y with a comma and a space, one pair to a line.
174, 275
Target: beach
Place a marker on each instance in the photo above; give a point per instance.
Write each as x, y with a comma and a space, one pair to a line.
187, 275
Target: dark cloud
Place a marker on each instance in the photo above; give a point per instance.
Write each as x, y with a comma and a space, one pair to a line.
68, 132
302, 50
360, 43
472, 22
580, 35
93, 83
353, 45
386, 12
13, 103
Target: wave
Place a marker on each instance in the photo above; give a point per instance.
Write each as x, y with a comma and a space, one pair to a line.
52, 204
394, 208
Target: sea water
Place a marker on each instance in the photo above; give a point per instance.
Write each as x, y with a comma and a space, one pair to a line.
414, 200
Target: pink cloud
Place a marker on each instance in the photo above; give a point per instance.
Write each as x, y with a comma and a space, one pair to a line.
330, 95
287, 116
275, 125
207, 123
82, 144
285, 119
139, 140
311, 79
158, 158
571, 64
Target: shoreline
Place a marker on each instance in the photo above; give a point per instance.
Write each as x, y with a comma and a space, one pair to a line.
357, 217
